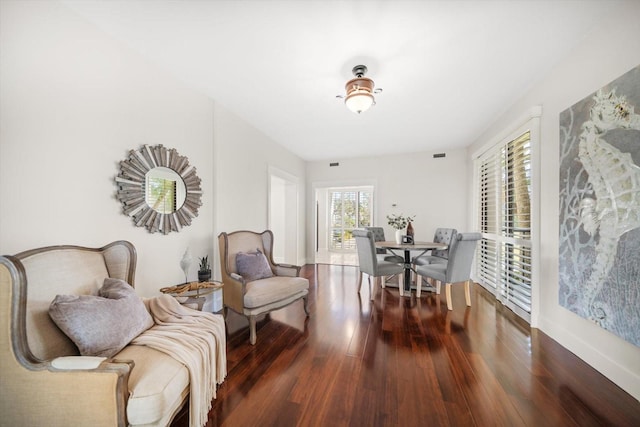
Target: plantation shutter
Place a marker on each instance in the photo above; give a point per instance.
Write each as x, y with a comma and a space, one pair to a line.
487, 264
503, 261
349, 209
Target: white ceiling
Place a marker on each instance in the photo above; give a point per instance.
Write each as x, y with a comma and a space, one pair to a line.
448, 68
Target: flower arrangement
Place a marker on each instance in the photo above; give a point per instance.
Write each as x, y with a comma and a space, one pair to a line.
399, 222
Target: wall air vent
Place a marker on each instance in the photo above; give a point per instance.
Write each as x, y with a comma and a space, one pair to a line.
332, 164
439, 155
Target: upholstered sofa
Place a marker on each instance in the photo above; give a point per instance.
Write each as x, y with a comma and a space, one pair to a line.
44, 380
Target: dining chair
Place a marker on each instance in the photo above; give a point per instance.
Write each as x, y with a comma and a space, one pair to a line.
457, 269
442, 235
381, 253
369, 263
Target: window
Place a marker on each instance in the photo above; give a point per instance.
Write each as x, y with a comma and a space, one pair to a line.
504, 255
349, 209
161, 194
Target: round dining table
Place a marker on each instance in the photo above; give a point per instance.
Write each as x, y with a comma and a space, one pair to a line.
407, 248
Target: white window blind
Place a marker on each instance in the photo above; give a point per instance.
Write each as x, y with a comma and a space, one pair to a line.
349, 209
503, 262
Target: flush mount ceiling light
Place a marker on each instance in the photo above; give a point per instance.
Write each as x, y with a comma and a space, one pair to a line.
360, 91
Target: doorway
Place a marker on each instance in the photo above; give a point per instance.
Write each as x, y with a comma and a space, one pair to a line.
283, 215
340, 210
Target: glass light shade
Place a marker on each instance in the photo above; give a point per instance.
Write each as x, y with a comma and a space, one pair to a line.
359, 101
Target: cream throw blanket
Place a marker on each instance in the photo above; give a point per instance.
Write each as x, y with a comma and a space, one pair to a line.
196, 339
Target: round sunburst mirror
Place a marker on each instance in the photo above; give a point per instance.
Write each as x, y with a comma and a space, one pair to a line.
159, 189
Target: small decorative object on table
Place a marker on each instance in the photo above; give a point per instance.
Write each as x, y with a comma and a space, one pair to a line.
204, 274
185, 263
399, 222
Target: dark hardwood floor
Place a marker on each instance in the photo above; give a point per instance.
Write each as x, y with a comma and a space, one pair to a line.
402, 361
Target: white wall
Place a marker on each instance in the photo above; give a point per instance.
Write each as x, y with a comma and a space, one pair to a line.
73, 103
435, 190
243, 156
321, 197
610, 51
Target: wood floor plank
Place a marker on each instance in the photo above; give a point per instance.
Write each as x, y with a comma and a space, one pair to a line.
405, 361
343, 394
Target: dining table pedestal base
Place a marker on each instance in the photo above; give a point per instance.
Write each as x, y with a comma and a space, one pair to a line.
407, 248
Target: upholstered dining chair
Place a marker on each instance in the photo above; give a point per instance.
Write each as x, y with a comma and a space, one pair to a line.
253, 283
442, 235
457, 269
381, 253
369, 263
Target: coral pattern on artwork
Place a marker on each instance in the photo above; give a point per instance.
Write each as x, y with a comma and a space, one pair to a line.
599, 263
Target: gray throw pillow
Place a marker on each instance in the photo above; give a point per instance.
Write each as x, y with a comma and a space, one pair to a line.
253, 266
102, 325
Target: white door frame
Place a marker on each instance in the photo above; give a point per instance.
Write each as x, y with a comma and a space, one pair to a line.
283, 215
321, 187
529, 121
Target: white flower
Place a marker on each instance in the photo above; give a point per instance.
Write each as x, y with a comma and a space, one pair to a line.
399, 221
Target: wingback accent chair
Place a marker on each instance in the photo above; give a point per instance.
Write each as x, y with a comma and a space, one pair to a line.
456, 270
255, 295
44, 379
369, 263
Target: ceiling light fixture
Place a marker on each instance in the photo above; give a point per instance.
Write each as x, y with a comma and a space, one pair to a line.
360, 91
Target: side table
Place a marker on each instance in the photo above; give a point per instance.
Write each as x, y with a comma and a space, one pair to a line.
192, 294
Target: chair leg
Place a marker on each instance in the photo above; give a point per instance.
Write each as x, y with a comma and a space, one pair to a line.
252, 330
401, 284
438, 283
372, 289
305, 304
360, 281
467, 293
383, 281
447, 291
418, 285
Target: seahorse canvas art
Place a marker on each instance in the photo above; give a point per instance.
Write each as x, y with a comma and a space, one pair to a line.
599, 263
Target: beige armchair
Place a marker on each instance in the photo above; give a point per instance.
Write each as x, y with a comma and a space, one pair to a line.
43, 379
258, 296
34, 391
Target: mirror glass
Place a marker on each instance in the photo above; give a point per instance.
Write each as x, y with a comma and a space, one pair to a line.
159, 189
164, 190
